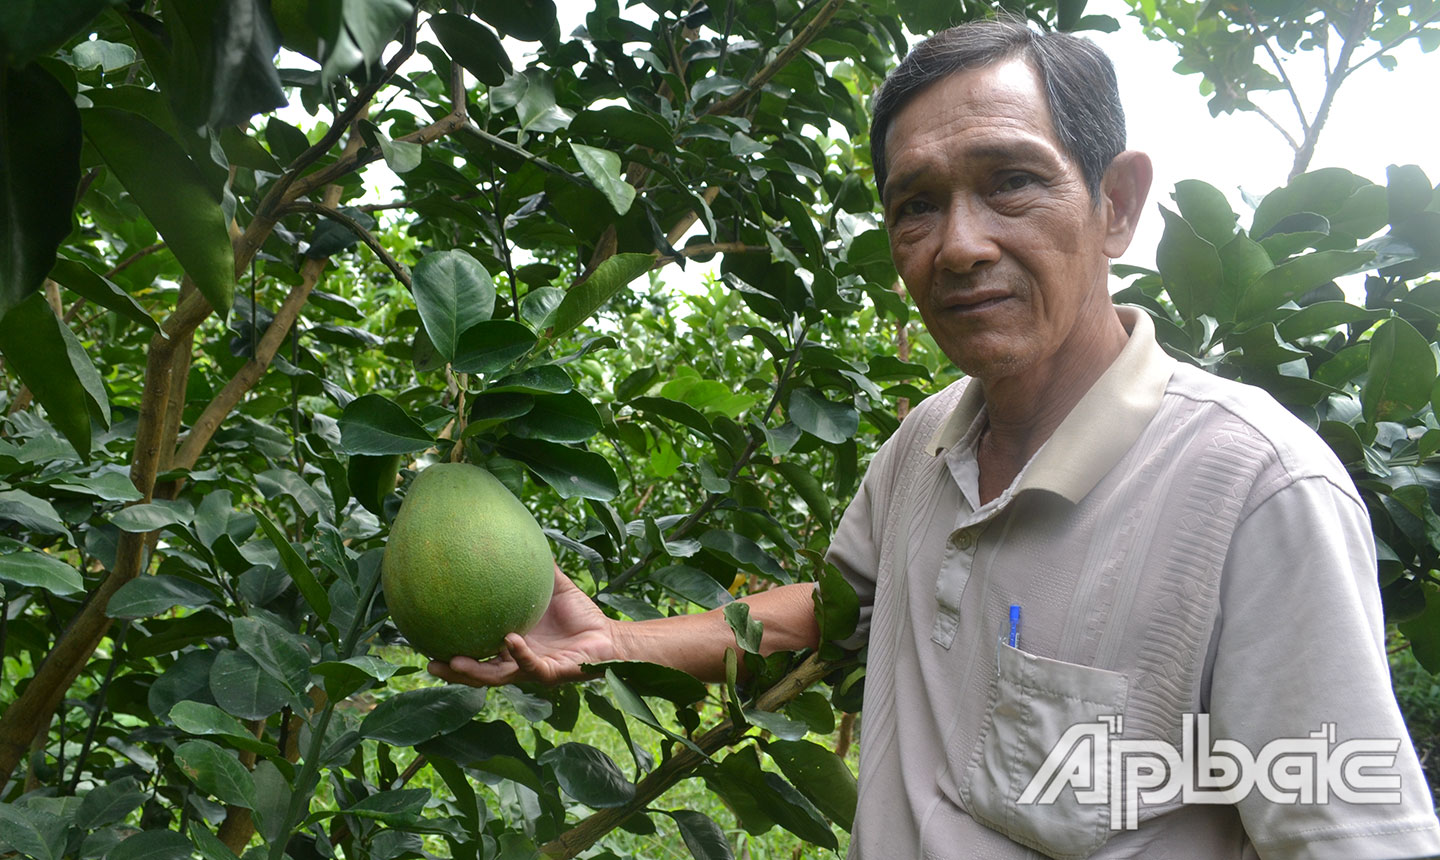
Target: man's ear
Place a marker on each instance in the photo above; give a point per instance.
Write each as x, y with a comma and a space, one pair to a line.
1123, 190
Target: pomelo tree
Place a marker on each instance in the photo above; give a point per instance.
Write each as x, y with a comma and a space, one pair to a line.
225, 361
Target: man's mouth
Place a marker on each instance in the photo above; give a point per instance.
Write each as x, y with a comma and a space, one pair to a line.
974, 304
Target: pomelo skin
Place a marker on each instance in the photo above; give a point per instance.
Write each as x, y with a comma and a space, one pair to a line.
465, 564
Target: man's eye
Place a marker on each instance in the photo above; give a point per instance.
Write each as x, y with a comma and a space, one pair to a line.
911, 207
1015, 182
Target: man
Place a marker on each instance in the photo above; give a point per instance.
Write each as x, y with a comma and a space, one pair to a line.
1083, 533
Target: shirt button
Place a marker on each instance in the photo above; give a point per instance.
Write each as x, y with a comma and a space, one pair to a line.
965, 539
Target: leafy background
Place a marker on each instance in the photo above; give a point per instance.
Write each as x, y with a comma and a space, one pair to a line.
223, 364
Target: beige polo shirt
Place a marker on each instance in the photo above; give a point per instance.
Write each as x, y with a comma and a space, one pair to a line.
1181, 545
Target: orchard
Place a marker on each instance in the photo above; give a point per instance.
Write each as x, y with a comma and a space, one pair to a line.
629, 261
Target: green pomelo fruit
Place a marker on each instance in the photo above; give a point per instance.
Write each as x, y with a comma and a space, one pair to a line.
465, 564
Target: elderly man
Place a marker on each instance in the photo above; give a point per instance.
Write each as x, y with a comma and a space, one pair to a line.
1086, 566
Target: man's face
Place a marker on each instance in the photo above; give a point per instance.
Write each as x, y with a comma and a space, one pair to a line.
991, 226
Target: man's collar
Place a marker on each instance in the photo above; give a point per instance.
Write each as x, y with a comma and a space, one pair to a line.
1099, 429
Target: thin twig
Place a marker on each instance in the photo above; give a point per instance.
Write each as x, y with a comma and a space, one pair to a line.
1279, 67
1393, 43
400, 272
790, 51
99, 705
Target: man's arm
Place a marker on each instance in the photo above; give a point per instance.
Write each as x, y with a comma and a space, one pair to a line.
574, 631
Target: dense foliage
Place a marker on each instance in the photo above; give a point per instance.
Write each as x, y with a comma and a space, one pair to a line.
224, 362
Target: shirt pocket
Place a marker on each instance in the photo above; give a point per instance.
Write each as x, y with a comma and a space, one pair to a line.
1036, 701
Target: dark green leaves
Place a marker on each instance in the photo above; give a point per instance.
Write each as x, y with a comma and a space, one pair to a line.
453, 292
491, 346
474, 46
589, 775
821, 776
572, 473
152, 595
39, 172
48, 358
174, 195
1189, 264
98, 289
416, 716
702, 836
1402, 373
609, 278
216, 772
374, 425
38, 570
814, 413
603, 168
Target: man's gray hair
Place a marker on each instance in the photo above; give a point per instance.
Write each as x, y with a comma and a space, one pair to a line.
1078, 78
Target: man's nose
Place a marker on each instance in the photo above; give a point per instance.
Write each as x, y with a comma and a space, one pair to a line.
967, 238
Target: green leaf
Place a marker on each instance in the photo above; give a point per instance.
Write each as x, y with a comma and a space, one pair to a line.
372, 478
344, 677
453, 292
173, 194
98, 53
474, 46
109, 803
527, 20
1189, 265
702, 836
625, 125
152, 845
837, 608
296, 566
243, 689
31, 512
589, 775
692, 584
216, 772
804, 482
1407, 190
1322, 191
1402, 373
1423, 631
46, 356
139, 519
353, 32
491, 346
373, 424
1206, 210
1298, 276
33, 28
200, 718
243, 76
654, 680
744, 552
110, 486
631, 703
544, 379
39, 173
603, 168
820, 775
830, 421
609, 278
395, 808
31, 832
152, 595
38, 570
748, 630
276, 650
416, 716
571, 472
558, 418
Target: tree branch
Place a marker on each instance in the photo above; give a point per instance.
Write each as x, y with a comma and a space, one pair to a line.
790, 52
1280, 68
1393, 43
678, 767
355, 227
1359, 22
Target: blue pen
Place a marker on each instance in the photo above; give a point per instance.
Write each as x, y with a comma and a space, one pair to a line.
1014, 625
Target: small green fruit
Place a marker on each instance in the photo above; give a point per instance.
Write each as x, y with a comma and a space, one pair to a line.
465, 564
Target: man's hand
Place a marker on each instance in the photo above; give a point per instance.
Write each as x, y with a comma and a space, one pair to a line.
572, 631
